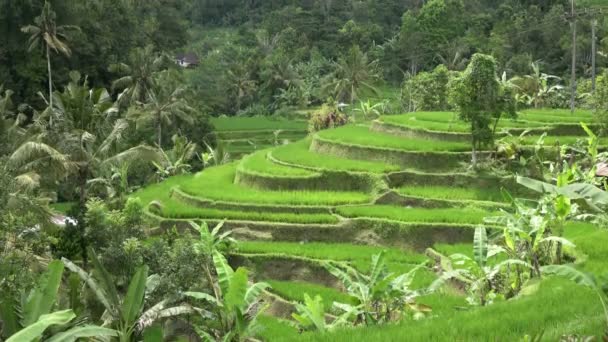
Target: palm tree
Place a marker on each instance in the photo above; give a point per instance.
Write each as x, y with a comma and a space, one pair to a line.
240, 85
89, 134
138, 75
165, 104
45, 30
352, 74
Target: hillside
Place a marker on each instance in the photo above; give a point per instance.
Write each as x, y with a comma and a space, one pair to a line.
395, 184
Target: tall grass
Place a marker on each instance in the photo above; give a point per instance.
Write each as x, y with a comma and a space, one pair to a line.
557, 308
299, 153
469, 215
361, 135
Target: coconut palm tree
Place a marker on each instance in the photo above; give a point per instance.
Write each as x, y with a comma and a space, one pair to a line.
240, 85
138, 76
352, 74
165, 104
90, 134
46, 31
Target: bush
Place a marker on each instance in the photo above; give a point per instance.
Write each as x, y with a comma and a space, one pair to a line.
327, 117
599, 101
428, 90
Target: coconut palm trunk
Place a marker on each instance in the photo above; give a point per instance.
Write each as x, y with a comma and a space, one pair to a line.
48, 63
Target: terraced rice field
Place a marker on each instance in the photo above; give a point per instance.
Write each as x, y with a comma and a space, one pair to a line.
243, 135
345, 194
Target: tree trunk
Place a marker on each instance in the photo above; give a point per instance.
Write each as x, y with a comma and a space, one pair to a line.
82, 187
48, 63
474, 144
159, 131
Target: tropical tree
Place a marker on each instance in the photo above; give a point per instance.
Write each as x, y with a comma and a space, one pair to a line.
127, 314
29, 321
236, 304
353, 73
380, 296
481, 279
46, 31
137, 78
481, 100
241, 85
166, 103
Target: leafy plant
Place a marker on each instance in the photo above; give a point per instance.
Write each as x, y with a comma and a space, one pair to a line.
482, 280
175, 161
235, 306
380, 296
126, 314
311, 315
35, 315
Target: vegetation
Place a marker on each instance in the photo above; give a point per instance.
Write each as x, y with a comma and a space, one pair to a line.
359, 135
332, 137
449, 215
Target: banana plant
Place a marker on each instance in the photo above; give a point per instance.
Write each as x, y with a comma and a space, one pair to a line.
235, 307
36, 316
369, 110
214, 156
35, 331
380, 296
126, 314
481, 278
177, 160
311, 315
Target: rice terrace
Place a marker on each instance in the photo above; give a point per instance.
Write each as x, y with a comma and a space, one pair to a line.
303, 170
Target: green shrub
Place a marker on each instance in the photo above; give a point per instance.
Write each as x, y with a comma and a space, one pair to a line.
327, 117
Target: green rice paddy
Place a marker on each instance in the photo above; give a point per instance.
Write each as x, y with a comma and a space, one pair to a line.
417, 215
217, 183
257, 123
259, 163
362, 136
299, 154
453, 193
